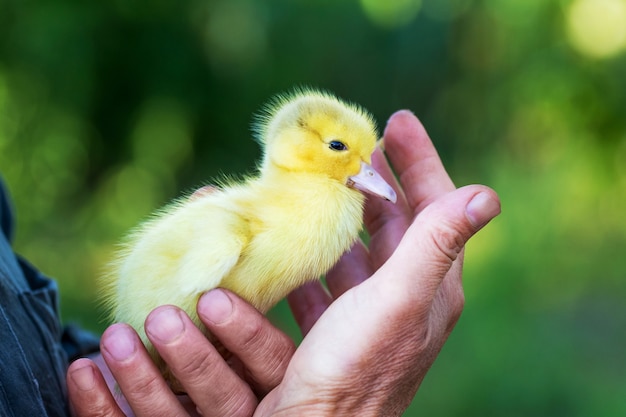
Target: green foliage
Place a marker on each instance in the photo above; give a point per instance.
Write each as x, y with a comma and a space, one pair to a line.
110, 109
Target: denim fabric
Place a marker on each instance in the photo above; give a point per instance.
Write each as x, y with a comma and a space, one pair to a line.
34, 348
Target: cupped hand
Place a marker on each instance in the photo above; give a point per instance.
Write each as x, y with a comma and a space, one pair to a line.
214, 387
368, 342
371, 338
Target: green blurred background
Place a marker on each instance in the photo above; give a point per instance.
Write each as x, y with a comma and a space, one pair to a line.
109, 109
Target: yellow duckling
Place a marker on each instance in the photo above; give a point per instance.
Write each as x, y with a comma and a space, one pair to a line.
265, 236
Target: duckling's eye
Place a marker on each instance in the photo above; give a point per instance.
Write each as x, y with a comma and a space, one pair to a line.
336, 145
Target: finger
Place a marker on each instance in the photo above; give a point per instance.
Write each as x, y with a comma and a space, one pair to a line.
307, 304
208, 380
385, 222
434, 241
88, 391
353, 268
264, 350
415, 159
138, 377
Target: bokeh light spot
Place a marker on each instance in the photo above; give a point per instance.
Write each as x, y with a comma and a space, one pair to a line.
515, 13
162, 137
391, 13
130, 193
597, 28
235, 34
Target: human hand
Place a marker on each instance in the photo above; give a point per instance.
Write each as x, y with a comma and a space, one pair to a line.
215, 387
369, 343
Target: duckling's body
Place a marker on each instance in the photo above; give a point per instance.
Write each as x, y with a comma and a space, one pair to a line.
265, 236
249, 238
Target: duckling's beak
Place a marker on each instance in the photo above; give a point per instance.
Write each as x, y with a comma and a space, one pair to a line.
370, 181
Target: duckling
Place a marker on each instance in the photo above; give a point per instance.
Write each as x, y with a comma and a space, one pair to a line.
266, 235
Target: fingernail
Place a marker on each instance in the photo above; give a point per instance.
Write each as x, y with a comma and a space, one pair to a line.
84, 377
399, 112
215, 306
120, 342
166, 325
481, 209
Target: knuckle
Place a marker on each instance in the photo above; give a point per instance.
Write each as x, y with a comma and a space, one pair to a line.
147, 385
455, 295
238, 406
456, 303
253, 334
278, 361
97, 407
194, 368
104, 411
142, 395
447, 242
267, 360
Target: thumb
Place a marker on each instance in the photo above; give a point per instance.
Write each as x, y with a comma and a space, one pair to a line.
434, 241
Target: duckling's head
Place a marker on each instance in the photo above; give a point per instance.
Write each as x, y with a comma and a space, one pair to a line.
313, 132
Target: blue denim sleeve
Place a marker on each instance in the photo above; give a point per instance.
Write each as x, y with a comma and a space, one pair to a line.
34, 347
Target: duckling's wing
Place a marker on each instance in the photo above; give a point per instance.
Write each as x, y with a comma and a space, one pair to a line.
214, 249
